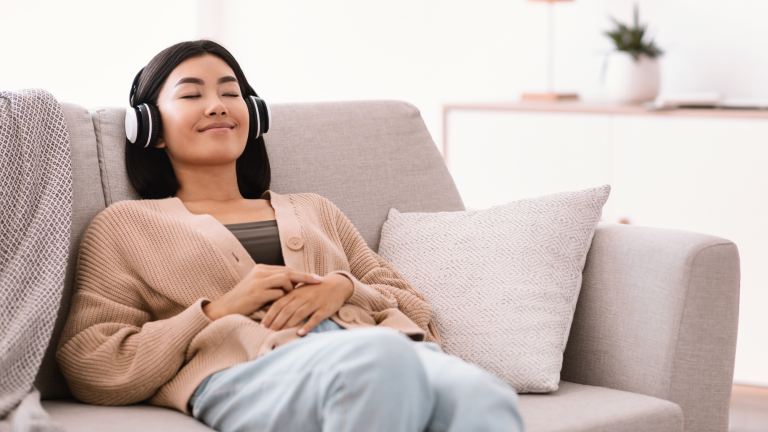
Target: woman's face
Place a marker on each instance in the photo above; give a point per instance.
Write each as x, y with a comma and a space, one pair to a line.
200, 92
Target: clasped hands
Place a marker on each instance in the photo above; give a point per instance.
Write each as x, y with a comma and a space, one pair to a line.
317, 298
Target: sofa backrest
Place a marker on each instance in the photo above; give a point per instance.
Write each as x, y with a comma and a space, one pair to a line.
364, 156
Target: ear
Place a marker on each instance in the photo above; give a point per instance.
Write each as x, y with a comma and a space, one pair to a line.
160, 143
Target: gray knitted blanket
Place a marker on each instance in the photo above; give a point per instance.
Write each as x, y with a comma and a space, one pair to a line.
35, 218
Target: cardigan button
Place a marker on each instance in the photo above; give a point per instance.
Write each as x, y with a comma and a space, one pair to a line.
347, 314
295, 243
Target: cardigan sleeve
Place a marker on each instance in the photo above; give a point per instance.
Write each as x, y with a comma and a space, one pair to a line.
111, 351
377, 285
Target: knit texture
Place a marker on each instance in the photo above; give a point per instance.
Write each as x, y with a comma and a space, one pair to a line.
504, 281
136, 330
35, 219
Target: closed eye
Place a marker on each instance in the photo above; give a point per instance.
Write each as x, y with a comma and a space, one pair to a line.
196, 96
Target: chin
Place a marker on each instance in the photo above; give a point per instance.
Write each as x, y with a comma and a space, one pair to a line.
228, 154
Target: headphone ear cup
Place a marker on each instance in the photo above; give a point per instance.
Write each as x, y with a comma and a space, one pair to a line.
264, 114
157, 125
268, 116
254, 129
132, 121
142, 125
259, 115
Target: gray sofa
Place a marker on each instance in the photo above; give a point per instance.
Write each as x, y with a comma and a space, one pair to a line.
653, 339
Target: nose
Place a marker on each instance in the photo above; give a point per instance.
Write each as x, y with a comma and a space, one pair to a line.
216, 108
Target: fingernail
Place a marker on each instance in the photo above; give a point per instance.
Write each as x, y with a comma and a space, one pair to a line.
317, 277
302, 332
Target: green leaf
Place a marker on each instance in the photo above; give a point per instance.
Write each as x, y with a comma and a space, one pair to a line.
641, 33
637, 16
632, 39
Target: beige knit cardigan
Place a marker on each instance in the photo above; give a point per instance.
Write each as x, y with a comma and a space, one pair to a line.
136, 329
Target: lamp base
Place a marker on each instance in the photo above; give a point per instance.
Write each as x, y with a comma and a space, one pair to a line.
550, 96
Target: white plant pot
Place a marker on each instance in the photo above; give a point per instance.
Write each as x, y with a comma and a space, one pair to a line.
630, 81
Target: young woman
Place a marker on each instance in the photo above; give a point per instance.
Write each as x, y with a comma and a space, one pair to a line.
170, 305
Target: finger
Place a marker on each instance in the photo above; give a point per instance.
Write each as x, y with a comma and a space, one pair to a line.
301, 277
301, 314
287, 311
266, 299
270, 296
277, 280
313, 321
303, 285
266, 270
274, 310
263, 271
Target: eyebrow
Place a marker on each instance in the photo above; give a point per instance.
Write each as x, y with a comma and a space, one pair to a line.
198, 81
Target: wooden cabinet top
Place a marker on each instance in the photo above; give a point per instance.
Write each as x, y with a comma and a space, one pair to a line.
605, 108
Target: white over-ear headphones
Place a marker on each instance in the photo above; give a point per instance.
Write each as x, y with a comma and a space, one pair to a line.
142, 122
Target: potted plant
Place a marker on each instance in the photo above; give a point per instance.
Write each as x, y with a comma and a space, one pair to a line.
632, 73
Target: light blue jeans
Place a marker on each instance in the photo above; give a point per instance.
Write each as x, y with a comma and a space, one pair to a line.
372, 379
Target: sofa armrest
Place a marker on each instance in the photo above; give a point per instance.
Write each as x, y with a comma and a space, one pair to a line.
657, 315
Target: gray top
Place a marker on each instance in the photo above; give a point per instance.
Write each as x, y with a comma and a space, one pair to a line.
261, 240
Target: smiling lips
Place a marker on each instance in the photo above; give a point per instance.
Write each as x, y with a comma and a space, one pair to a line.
217, 127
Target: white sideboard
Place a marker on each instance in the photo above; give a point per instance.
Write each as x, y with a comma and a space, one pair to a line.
695, 170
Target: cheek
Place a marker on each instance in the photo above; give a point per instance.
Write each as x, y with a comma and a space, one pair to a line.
178, 126
240, 113
244, 130
182, 139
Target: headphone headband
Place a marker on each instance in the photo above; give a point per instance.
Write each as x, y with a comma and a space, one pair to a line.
134, 86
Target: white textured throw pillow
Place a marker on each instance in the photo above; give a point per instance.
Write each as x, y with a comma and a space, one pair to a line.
502, 282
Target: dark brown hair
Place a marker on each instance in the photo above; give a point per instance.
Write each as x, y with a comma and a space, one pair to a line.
149, 169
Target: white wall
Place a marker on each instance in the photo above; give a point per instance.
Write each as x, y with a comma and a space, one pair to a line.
432, 52
87, 52
427, 52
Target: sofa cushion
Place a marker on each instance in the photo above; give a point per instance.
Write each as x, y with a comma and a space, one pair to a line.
109, 126
583, 408
502, 282
573, 408
80, 417
364, 156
